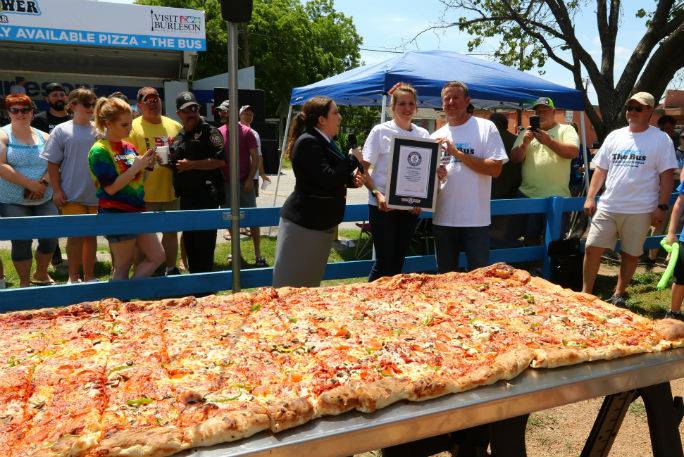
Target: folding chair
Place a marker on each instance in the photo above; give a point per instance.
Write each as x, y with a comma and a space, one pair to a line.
363, 242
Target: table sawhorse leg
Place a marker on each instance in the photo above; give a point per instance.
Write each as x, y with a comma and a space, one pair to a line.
664, 415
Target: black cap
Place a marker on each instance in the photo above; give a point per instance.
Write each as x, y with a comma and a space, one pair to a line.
185, 99
54, 87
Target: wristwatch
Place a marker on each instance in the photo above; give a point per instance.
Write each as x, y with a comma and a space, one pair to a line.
44, 181
664, 206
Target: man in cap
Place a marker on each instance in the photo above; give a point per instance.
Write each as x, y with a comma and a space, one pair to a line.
636, 164
246, 118
152, 130
248, 161
56, 98
197, 156
546, 154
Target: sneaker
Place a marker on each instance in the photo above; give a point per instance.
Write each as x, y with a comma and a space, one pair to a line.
173, 271
618, 300
674, 315
260, 262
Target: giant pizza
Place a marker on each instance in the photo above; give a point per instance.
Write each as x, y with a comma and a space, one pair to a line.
153, 378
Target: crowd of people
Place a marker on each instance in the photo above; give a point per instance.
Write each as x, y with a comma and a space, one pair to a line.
86, 155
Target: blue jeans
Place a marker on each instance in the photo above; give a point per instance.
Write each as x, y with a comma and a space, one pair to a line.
450, 241
21, 249
392, 232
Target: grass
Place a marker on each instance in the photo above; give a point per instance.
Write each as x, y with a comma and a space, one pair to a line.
103, 269
643, 299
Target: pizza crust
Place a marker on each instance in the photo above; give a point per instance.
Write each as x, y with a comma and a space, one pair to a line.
223, 425
289, 413
670, 329
141, 442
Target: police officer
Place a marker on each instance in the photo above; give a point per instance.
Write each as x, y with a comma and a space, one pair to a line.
196, 156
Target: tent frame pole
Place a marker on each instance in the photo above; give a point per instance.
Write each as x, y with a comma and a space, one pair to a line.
585, 153
282, 155
383, 112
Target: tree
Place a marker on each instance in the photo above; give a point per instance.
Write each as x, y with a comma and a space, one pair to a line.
290, 44
533, 31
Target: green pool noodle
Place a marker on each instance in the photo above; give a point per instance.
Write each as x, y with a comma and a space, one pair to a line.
673, 249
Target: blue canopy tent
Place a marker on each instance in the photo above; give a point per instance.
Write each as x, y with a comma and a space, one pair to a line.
488, 82
489, 85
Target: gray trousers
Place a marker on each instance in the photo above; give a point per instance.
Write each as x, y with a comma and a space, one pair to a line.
301, 255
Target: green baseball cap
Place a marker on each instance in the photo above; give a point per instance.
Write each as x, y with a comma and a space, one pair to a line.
546, 101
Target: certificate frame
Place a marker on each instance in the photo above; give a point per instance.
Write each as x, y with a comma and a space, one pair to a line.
427, 149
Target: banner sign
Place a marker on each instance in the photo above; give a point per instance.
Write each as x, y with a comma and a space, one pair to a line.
86, 22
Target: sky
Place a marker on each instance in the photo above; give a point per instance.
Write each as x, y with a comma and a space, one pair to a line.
389, 26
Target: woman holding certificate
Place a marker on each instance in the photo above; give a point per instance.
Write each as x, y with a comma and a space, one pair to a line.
316, 206
392, 229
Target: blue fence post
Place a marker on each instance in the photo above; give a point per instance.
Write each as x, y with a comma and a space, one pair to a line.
554, 219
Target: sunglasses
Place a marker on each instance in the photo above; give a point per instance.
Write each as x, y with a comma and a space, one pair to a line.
24, 110
191, 109
151, 100
88, 105
638, 109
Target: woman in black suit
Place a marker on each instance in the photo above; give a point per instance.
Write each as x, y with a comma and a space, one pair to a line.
316, 206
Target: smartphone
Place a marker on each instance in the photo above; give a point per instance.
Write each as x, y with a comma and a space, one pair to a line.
534, 123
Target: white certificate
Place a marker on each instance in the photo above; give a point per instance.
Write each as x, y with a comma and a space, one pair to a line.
413, 174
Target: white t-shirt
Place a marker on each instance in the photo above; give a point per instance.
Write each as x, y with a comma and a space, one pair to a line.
634, 162
464, 199
376, 151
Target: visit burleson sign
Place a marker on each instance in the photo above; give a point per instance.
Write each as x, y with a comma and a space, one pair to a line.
102, 24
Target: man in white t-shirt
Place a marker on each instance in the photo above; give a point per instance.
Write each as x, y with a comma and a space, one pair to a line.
636, 163
462, 216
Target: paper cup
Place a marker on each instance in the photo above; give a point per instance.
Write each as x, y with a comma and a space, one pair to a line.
163, 153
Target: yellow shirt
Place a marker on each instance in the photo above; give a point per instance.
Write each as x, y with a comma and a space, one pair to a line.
144, 135
545, 173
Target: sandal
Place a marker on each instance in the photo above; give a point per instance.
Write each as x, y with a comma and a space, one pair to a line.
42, 282
260, 262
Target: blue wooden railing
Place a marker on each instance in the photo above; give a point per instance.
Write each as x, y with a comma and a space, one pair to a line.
158, 287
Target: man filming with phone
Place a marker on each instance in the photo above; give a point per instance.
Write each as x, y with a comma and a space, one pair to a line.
546, 149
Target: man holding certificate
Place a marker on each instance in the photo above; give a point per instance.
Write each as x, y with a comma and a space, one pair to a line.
462, 213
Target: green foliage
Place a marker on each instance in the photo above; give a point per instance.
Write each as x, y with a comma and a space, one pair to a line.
517, 48
357, 120
290, 43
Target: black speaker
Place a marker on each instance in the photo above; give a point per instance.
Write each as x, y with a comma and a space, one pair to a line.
236, 10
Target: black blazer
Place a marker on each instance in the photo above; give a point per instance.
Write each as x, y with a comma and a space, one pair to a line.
322, 177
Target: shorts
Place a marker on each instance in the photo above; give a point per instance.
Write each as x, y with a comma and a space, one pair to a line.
73, 208
678, 273
117, 238
21, 249
173, 205
246, 199
631, 229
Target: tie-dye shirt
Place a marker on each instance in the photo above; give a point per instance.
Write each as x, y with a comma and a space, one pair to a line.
107, 161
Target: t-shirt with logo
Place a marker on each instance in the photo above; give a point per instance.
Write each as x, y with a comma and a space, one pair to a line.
246, 141
68, 146
107, 161
464, 199
46, 121
145, 135
376, 151
545, 173
634, 161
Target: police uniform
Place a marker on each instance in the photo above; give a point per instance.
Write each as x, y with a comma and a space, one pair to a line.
199, 189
